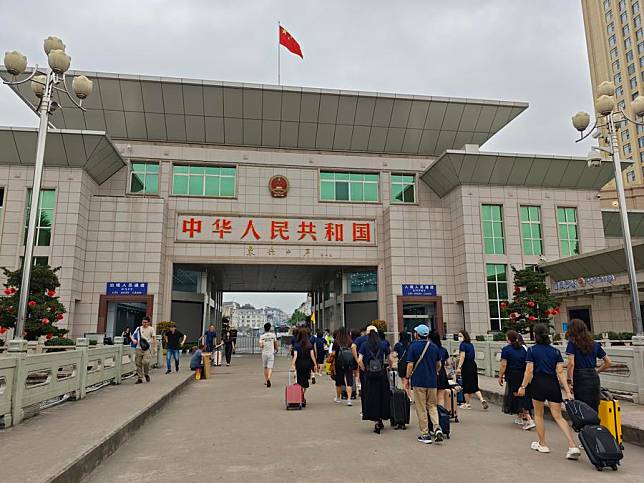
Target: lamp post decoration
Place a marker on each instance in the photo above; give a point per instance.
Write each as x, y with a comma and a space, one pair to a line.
609, 117
44, 84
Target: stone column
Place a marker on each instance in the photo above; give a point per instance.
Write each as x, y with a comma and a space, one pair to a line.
82, 345
18, 349
118, 346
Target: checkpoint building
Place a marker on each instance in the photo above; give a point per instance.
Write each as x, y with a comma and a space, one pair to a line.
169, 192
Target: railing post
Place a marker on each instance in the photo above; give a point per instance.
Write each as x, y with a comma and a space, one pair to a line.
489, 371
638, 368
159, 362
18, 349
82, 345
32, 346
118, 358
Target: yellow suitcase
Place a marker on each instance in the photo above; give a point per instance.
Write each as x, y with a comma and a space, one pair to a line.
327, 368
610, 416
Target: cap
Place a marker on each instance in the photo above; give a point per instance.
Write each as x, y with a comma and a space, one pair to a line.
372, 327
422, 330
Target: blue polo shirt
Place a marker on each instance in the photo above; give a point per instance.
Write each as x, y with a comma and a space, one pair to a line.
383, 351
468, 348
586, 361
444, 354
545, 359
514, 357
359, 341
399, 348
425, 373
210, 338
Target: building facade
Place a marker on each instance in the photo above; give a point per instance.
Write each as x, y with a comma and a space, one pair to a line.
167, 193
615, 41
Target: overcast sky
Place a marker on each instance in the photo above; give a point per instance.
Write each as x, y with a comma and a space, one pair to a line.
523, 50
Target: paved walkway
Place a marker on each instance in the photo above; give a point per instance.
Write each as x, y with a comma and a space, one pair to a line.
232, 428
47, 444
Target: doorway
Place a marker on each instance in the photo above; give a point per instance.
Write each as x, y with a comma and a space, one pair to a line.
413, 311
116, 312
582, 313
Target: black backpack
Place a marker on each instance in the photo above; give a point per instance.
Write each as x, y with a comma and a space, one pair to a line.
344, 358
376, 364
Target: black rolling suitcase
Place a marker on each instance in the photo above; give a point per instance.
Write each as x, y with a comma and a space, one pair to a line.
443, 421
601, 447
399, 408
581, 414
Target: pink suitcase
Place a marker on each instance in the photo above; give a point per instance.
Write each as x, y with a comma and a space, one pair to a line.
294, 395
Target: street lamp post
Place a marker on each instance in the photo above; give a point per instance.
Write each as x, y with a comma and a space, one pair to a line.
609, 118
44, 83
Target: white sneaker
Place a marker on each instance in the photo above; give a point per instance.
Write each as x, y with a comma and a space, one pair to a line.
529, 425
337, 400
519, 421
573, 453
537, 447
349, 403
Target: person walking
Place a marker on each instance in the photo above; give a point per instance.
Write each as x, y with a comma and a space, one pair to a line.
268, 346
174, 339
423, 365
544, 368
400, 348
227, 341
468, 370
303, 361
442, 381
126, 336
343, 359
583, 352
511, 373
318, 347
144, 340
375, 385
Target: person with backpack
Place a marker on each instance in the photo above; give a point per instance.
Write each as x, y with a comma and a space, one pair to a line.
544, 372
583, 352
375, 387
343, 358
144, 340
268, 346
511, 372
423, 364
318, 347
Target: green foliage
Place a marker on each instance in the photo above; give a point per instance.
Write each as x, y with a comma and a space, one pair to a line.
499, 337
59, 341
381, 325
531, 304
297, 317
480, 338
44, 310
620, 335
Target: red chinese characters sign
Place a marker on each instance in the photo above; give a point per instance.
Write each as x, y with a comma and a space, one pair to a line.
262, 229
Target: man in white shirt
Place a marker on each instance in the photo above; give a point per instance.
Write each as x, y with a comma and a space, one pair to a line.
268, 345
143, 350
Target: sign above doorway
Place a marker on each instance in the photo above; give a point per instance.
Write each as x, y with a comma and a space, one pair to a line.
411, 289
127, 288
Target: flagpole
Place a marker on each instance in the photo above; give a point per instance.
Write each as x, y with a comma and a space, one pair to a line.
279, 33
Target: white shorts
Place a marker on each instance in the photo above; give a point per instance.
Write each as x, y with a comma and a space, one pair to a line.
268, 360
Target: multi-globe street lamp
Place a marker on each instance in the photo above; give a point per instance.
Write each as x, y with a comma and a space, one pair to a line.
610, 117
44, 83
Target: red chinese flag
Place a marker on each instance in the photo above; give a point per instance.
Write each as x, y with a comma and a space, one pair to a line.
289, 42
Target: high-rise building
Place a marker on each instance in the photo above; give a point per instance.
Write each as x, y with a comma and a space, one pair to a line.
615, 40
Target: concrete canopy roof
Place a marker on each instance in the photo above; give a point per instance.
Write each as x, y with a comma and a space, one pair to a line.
613, 225
141, 108
93, 151
455, 168
600, 262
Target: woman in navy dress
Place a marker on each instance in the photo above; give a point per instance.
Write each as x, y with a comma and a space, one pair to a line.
468, 370
375, 390
583, 352
511, 372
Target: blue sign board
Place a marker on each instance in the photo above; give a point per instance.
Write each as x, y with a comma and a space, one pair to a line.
127, 288
564, 327
418, 289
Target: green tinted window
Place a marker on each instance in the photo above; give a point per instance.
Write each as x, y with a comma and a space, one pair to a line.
568, 233
497, 291
355, 187
144, 178
403, 188
531, 230
492, 222
45, 221
214, 181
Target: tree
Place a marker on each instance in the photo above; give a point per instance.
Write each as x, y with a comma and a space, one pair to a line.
44, 308
531, 304
297, 317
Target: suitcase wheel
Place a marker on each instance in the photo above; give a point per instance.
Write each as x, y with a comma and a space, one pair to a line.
456, 419
614, 467
599, 468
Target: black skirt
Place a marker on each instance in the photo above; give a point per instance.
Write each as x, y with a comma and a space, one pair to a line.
586, 386
303, 372
470, 376
515, 404
443, 380
375, 397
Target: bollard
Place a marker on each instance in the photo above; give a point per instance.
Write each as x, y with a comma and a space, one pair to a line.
118, 346
18, 349
82, 345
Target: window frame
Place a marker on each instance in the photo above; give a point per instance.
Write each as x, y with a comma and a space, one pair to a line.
350, 183
39, 227
493, 238
496, 283
204, 181
531, 224
404, 185
567, 240
132, 172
